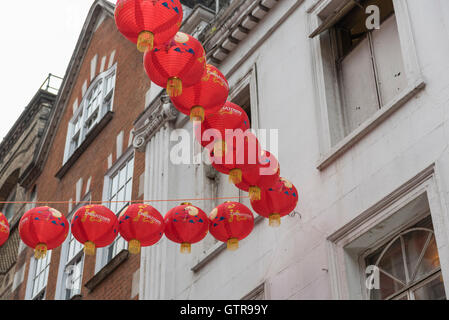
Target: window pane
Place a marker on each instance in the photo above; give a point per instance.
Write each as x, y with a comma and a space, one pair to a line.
392, 261
130, 169
122, 179
128, 194
358, 86
114, 187
414, 244
389, 63
430, 260
433, 290
388, 287
121, 198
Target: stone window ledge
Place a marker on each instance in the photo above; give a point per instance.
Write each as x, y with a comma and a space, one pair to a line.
90, 137
109, 268
214, 251
369, 125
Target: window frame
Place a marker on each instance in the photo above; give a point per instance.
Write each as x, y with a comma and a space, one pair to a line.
418, 282
61, 289
32, 276
103, 256
247, 82
327, 90
347, 265
81, 116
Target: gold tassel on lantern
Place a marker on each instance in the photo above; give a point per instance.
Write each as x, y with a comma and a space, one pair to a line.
233, 244
254, 193
220, 148
197, 114
89, 248
174, 87
235, 176
40, 251
145, 41
134, 246
274, 220
186, 248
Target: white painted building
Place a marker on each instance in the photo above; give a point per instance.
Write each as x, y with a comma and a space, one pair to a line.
364, 135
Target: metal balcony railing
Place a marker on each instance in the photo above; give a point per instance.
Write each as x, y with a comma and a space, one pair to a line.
52, 84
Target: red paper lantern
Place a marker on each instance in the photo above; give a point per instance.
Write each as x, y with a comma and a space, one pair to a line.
175, 64
186, 224
43, 229
264, 176
141, 225
241, 155
231, 222
4, 229
229, 117
148, 21
94, 226
205, 97
277, 201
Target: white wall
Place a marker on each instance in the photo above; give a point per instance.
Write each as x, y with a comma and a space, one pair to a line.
293, 259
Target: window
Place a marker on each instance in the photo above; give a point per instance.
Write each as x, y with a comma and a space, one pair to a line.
97, 101
119, 195
73, 269
71, 263
409, 266
9, 208
365, 67
40, 277
369, 62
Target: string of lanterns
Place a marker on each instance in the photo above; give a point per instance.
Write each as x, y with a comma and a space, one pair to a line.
177, 62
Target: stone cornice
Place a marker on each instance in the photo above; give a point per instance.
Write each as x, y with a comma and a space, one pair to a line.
157, 115
232, 26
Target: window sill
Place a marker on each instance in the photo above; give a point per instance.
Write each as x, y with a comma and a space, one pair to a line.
369, 125
109, 268
210, 254
90, 137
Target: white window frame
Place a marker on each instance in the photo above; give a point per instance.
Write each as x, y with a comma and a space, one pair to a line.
409, 287
326, 85
29, 294
61, 284
103, 254
248, 80
105, 104
346, 265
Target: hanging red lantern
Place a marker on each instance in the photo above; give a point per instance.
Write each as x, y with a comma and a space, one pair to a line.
231, 222
43, 229
141, 225
4, 229
277, 201
176, 64
148, 22
94, 226
205, 97
241, 155
186, 224
230, 117
264, 176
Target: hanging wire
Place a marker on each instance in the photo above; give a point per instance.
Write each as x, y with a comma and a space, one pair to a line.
123, 201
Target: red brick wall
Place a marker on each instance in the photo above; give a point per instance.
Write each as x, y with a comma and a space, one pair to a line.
131, 86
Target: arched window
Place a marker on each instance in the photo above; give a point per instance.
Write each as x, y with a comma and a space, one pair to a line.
409, 267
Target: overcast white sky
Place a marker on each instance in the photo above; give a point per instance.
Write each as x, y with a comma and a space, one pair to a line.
38, 38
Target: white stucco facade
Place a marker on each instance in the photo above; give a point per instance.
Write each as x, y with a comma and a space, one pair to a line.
351, 194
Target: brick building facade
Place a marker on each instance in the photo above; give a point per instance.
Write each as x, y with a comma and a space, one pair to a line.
102, 94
